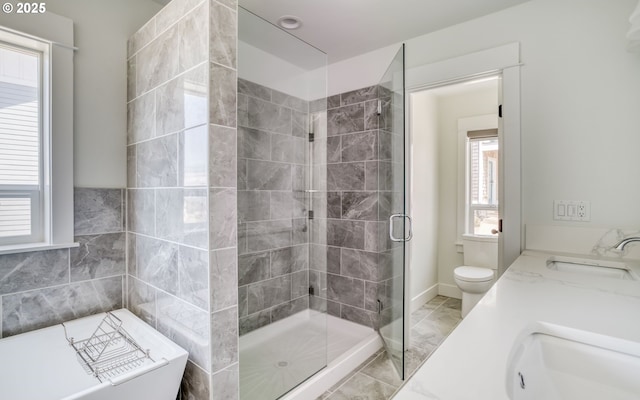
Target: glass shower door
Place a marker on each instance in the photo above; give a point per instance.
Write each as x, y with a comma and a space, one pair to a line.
281, 107
391, 181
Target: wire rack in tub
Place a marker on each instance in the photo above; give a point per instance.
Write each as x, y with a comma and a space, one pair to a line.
110, 351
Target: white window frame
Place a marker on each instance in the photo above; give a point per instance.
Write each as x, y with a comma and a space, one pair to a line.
54, 34
493, 168
470, 208
39, 209
481, 122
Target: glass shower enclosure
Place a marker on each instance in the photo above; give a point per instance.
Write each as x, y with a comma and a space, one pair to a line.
282, 199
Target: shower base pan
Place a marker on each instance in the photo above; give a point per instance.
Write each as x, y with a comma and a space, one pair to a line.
276, 358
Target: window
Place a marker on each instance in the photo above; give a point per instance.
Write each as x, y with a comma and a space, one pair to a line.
482, 182
36, 133
21, 188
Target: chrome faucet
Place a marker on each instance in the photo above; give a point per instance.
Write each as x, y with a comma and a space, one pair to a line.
626, 241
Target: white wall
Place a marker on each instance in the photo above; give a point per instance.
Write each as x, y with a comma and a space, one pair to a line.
580, 96
424, 193
101, 30
362, 71
450, 109
259, 66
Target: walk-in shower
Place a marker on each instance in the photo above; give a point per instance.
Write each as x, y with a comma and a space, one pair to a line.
318, 179
283, 328
286, 335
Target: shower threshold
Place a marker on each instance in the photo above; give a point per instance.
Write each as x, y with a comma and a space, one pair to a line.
276, 358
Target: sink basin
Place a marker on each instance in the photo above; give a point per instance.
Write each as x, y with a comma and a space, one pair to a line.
552, 362
605, 269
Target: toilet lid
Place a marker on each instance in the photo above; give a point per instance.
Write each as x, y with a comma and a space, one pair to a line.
473, 274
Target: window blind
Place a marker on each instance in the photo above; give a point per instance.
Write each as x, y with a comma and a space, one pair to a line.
19, 141
482, 134
19, 135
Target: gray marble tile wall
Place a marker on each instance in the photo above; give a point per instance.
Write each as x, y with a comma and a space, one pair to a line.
182, 196
44, 288
273, 231
358, 205
223, 200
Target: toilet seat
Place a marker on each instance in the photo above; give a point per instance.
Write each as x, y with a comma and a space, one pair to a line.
473, 274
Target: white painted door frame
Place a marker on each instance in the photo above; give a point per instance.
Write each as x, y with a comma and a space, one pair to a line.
503, 60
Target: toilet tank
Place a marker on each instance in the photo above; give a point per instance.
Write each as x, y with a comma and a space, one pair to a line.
480, 251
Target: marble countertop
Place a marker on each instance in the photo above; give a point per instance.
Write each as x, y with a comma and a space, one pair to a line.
472, 361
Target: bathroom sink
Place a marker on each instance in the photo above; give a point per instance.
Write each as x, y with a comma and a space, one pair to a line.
605, 269
553, 362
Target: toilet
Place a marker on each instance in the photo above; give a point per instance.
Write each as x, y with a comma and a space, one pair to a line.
478, 273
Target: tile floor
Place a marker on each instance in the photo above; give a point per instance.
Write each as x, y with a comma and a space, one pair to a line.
376, 378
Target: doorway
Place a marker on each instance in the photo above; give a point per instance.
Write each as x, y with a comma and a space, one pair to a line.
452, 180
500, 61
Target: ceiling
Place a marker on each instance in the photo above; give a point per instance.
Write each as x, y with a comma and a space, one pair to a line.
346, 28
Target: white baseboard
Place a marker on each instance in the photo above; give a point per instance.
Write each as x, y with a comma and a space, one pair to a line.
424, 297
447, 290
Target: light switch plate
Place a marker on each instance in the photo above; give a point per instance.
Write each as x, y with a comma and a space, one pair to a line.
571, 210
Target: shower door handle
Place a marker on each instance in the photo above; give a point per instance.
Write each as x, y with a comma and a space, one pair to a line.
409, 235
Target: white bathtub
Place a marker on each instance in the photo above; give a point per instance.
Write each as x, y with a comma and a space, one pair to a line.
42, 365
